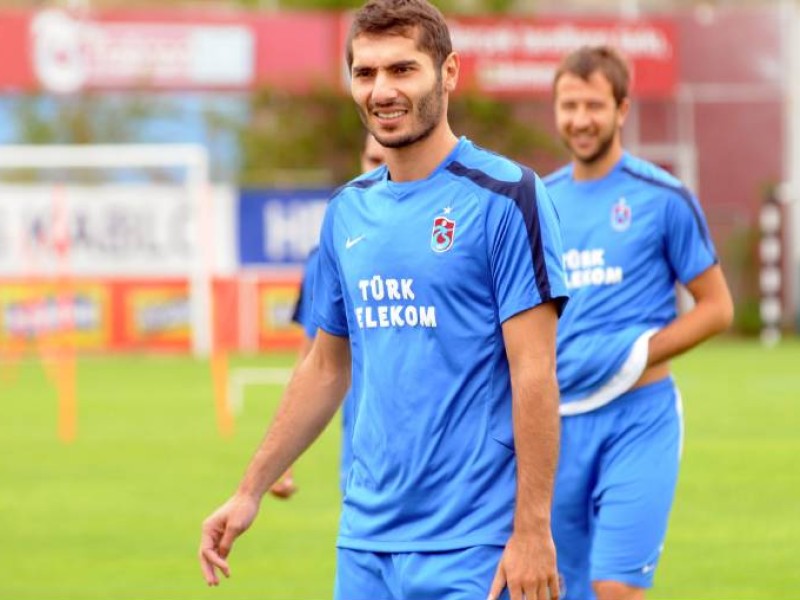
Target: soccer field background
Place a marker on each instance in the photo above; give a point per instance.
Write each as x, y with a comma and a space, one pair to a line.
117, 513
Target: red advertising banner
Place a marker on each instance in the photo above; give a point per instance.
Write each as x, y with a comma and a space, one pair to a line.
518, 57
75, 313
152, 315
298, 51
15, 70
229, 317
206, 50
276, 302
69, 53
65, 52
142, 314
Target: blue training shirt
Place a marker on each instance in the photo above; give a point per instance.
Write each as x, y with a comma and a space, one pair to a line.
420, 276
628, 237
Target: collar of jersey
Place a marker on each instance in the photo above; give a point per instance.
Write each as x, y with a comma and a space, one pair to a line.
406, 188
589, 183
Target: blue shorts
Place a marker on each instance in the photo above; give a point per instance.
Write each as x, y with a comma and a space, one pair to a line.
614, 488
464, 574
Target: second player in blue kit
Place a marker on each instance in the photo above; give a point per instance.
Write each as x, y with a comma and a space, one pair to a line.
631, 232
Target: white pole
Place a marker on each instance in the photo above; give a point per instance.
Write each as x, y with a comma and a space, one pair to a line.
200, 281
100, 156
791, 152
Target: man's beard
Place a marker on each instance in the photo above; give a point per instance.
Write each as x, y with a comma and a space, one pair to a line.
601, 152
428, 113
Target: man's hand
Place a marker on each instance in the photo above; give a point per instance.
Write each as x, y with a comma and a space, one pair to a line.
284, 488
220, 530
527, 568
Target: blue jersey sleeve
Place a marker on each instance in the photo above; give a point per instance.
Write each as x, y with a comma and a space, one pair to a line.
304, 309
525, 250
329, 307
689, 247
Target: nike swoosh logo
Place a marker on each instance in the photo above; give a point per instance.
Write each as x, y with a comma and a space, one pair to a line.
350, 243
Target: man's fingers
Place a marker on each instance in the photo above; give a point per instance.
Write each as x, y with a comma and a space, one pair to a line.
208, 571
498, 583
209, 559
211, 554
208, 539
545, 589
516, 593
226, 543
555, 591
538, 591
216, 560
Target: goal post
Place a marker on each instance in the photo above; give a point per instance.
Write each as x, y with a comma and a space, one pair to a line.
192, 159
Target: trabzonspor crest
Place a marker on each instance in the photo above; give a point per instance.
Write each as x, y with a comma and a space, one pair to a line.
443, 235
621, 215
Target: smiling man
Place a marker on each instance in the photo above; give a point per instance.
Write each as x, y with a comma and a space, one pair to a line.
440, 274
631, 232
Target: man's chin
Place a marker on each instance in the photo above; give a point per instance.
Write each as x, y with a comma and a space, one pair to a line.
387, 137
396, 139
584, 154
589, 157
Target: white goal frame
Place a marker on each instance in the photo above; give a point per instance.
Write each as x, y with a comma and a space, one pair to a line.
192, 158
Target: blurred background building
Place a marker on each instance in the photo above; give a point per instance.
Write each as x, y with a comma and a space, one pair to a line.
130, 253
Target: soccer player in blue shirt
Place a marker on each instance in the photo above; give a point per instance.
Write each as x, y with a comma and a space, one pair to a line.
631, 232
441, 273
372, 157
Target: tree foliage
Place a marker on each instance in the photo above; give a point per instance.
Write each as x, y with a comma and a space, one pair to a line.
42, 118
81, 118
317, 138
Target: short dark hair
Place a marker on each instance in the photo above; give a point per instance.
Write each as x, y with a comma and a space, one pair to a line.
587, 60
416, 19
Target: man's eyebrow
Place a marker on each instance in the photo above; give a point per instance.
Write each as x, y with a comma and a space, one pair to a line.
405, 63
400, 63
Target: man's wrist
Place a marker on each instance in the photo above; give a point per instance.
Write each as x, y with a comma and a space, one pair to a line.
252, 492
532, 525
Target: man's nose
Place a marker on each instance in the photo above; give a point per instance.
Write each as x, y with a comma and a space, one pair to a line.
384, 90
581, 117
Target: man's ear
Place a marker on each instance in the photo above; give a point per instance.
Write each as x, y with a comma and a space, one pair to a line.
450, 69
622, 111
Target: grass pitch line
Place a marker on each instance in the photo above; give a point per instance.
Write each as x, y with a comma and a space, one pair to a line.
242, 377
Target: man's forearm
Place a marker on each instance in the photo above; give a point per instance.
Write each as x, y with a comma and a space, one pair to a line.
536, 435
687, 331
309, 403
711, 314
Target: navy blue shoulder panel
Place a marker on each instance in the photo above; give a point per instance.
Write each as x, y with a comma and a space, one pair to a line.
685, 195
360, 184
523, 193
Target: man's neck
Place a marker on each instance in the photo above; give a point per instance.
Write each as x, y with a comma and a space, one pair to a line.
419, 160
598, 169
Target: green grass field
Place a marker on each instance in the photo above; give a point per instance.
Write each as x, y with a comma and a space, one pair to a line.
116, 514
